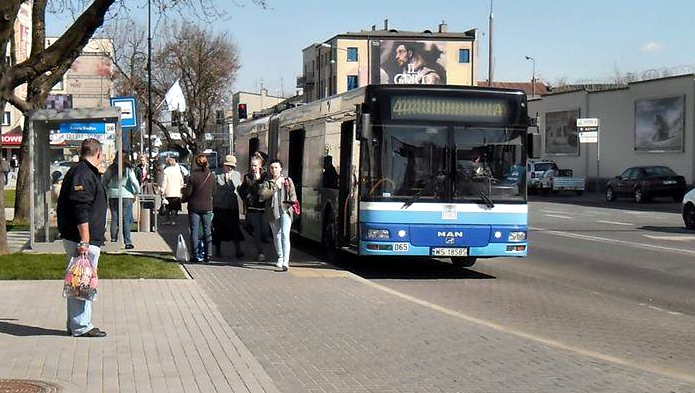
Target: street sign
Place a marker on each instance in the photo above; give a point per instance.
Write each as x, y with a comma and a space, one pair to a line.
129, 111
587, 124
588, 137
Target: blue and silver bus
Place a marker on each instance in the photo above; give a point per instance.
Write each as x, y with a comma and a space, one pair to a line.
405, 170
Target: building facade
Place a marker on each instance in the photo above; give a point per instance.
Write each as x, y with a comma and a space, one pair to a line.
388, 56
644, 123
255, 102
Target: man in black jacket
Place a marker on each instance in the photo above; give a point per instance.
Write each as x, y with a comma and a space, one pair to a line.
82, 223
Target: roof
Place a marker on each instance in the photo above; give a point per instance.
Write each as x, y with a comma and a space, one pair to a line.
527, 87
404, 34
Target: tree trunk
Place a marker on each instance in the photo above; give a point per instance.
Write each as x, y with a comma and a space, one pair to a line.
22, 198
4, 249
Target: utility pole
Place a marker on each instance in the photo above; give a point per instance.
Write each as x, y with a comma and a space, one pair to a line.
149, 88
489, 61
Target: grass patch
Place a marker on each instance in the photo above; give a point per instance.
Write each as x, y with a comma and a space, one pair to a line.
13, 226
9, 198
52, 267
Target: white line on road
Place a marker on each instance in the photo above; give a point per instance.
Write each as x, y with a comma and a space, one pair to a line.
615, 222
551, 211
550, 342
557, 216
615, 241
678, 238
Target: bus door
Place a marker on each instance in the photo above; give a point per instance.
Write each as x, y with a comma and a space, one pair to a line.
348, 194
295, 160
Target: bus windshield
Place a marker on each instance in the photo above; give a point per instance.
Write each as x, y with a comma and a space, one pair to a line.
446, 164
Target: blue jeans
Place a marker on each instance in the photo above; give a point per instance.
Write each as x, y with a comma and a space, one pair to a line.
194, 220
281, 237
128, 219
80, 311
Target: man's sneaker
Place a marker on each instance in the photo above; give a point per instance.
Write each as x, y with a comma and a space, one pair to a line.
279, 265
261, 257
285, 268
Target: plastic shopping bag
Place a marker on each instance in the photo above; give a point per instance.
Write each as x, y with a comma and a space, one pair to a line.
181, 249
81, 279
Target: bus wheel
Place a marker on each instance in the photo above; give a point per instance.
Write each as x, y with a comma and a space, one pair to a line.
330, 239
463, 261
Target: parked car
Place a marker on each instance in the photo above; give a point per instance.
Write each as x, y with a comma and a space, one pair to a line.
545, 177
643, 183
60, 168
689, 209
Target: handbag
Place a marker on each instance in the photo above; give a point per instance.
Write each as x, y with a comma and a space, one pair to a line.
81, 279
296, 207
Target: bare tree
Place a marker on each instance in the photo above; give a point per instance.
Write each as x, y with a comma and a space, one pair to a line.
205, 64
46, 66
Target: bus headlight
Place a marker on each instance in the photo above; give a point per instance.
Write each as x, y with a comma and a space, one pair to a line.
517, 236
378, 234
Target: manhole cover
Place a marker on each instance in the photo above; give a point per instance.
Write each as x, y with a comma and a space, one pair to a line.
25, 386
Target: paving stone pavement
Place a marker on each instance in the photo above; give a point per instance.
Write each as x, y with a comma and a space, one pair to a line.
316, 329
163, 336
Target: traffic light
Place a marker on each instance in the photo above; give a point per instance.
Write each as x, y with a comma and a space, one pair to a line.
242, 111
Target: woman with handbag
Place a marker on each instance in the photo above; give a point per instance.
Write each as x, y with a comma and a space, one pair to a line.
225, 204
202, 183
280, 198
129, 188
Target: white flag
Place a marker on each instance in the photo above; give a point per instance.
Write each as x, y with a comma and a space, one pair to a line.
175, 99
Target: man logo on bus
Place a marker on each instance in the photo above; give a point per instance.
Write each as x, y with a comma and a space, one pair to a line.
452, 234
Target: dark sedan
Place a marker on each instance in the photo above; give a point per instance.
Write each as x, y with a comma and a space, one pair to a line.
643, 183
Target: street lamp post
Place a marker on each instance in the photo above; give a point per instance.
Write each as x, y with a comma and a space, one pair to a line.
533, 77
149, 89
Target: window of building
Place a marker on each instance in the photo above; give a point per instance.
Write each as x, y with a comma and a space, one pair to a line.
58, 86
352, 54
7, 118
352, 82
464, 56
219, 117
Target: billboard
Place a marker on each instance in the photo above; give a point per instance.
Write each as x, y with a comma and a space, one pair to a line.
411, 62
659, 124
561, 132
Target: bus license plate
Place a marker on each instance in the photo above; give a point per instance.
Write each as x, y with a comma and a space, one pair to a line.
450, 252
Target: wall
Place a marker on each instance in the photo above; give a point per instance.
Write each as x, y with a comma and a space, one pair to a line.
616, 111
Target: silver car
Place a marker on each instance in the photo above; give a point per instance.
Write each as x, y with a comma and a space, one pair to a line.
60, 168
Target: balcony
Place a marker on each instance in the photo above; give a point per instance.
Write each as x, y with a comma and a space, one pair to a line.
305, 81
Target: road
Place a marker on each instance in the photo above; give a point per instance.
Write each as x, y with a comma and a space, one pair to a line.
610, 281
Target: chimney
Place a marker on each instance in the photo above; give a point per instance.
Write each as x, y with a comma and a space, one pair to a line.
443, 27
386, 24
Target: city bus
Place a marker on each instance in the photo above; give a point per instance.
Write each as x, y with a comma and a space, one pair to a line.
405, 170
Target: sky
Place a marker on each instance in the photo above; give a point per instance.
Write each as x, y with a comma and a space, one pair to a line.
570, 40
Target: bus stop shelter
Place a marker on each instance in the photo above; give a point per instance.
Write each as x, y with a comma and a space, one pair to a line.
60, 127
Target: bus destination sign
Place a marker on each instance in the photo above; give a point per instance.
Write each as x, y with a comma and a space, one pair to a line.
464, 109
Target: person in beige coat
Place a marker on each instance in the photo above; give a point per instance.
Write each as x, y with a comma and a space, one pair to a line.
279, 196
172, 182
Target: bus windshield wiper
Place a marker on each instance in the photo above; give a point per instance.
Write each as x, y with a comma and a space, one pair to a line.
486, 199
412, 199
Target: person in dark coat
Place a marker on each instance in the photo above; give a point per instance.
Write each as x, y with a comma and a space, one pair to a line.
249, 190
202, 182
225, 220
81, 214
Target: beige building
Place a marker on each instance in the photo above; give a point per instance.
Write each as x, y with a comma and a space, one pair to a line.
255, 102
89, 82
12, 119
388, 56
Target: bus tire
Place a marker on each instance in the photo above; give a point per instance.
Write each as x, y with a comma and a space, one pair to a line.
463, 261
329, 239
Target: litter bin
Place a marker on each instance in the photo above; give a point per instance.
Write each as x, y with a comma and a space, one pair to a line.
148, 213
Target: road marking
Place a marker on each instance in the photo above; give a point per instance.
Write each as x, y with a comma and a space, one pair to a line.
615, 241
593, 213
553, 343
615, 222
678, 238
557, 216
551, 211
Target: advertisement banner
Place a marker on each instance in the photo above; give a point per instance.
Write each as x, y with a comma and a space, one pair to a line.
561, 132
659, 124
412, 62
